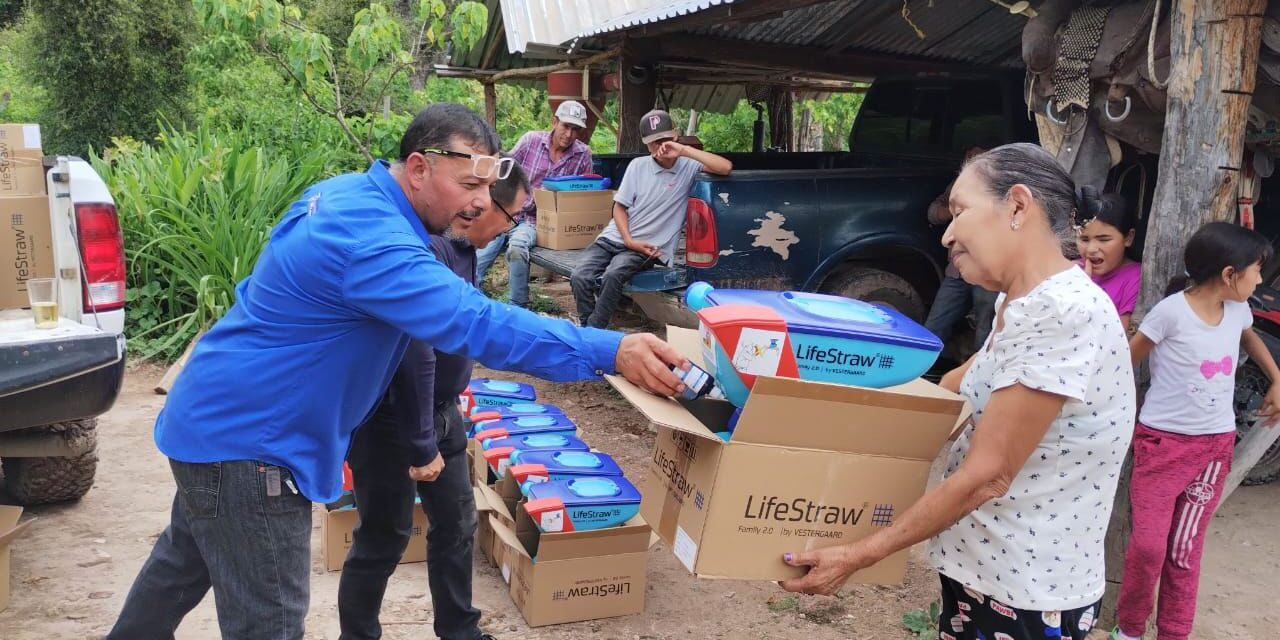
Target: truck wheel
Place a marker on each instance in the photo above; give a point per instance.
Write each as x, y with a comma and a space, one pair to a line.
874, 285
55, 479
1251, 388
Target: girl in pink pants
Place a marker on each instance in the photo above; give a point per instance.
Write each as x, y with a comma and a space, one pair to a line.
1186, 433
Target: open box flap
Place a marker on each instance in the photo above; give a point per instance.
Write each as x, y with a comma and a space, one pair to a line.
903, 422
661, 411
9, 530
494, 502
507, 535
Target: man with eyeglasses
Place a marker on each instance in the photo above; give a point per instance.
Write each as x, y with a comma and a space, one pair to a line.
648, 214
418, 420
257, 425
542, 154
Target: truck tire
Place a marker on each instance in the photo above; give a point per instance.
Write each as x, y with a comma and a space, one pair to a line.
878, 286
55, 479
1251, 388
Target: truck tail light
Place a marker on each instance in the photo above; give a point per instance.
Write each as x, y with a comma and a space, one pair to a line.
102, 247
702, 248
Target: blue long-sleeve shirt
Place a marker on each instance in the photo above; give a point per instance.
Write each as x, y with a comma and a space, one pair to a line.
322, 322
426, 377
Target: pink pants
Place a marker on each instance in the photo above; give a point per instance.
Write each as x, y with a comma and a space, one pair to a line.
1176, 485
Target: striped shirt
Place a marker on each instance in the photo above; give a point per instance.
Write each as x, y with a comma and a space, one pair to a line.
533, 153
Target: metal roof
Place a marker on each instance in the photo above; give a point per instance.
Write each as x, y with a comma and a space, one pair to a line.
555, 22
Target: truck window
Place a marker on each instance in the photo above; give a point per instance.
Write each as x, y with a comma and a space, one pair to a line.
901, 117
978, 115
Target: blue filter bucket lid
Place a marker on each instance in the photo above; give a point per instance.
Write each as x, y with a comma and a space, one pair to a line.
503, 388
573, 462
834, 316
541, 442
592, 490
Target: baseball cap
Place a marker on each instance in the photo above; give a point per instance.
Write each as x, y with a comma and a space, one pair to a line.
572, 112
656, 125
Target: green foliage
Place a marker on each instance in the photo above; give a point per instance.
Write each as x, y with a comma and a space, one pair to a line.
836, 115
350, 80
196, 209
109, 68
922, 624
20, 99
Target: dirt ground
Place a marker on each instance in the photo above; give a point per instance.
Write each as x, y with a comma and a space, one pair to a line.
72, 570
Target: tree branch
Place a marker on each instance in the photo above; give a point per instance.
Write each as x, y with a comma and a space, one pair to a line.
534, 72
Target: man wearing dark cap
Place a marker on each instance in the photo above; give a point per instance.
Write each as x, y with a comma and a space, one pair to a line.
648, 212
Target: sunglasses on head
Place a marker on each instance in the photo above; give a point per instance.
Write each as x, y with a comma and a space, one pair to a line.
482, 166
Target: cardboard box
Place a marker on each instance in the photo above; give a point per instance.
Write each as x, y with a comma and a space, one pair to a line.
26, 247
489, 504
810, 465
10, 530
337, 525
571, 219
21, 160
579, 575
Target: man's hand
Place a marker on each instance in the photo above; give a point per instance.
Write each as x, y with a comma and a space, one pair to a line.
644, 248
646, 361
670, 150
430, 472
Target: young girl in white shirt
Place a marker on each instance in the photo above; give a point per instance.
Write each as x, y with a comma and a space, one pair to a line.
1185, 436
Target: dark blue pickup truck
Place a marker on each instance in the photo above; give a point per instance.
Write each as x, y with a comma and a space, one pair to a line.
849, 223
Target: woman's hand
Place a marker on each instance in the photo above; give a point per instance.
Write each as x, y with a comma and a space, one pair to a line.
829, 568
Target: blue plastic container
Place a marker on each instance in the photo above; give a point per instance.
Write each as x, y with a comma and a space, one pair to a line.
523, 426
834, 339
582, 504
490, 392
483, 415
533, 467
504, 452
576, 183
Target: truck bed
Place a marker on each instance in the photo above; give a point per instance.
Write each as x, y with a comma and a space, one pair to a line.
563, 261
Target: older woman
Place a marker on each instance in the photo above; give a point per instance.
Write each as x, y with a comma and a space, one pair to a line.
1018, 523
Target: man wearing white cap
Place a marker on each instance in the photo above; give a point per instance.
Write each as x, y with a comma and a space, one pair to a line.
542, 154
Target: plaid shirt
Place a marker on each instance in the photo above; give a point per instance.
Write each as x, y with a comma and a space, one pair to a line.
533, 152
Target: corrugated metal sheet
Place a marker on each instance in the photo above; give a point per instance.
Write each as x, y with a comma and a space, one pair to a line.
555, 22
975, 31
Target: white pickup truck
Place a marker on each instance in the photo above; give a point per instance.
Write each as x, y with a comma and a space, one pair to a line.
54, 383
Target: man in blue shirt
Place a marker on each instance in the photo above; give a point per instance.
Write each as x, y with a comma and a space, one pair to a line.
257, 425
417, 426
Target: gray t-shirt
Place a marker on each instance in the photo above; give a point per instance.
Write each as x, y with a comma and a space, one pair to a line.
656, 200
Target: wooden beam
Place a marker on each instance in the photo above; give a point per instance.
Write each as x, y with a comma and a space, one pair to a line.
538, 72
728, 51
1213, 64
499, 38
735, 13
491, 104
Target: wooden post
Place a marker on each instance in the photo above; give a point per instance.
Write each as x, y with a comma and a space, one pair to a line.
781, 117
491, 104
639, 89
1214, 60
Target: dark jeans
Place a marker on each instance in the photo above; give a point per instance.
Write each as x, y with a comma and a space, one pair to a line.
955, 298
384, 497
241, 529
605, 266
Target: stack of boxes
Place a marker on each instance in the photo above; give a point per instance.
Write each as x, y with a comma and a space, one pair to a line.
559, 519
26, 238
572, 211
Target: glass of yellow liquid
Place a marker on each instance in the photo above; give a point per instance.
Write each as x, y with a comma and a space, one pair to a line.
43, 294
